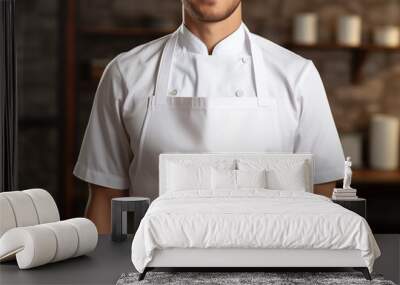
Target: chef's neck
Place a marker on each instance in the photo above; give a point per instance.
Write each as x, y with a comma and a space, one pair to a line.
211, 33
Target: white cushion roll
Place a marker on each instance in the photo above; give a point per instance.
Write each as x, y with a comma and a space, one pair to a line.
23, 208
7, 218
67, 239
40, 244
33, 246
45, 205
87, 234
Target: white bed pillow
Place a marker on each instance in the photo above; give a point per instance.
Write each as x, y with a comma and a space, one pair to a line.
292, 175
292, 179
252, 178
182, 177
223, 179
227, 179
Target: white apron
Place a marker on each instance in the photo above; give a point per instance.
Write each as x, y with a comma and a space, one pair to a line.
203, 122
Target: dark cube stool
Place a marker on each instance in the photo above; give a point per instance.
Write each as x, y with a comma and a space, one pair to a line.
126, 214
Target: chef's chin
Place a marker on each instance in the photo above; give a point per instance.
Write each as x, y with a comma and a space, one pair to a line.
210, 10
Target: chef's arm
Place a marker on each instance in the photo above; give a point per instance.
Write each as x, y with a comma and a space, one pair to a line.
98, 208
325, 189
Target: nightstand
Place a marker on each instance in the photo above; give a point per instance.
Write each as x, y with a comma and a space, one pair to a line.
358, 206
126, 214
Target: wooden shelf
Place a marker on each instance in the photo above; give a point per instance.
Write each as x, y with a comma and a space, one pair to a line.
359, 54
368, 176
126, 32
333, 46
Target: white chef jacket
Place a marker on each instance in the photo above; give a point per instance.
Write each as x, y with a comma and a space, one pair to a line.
305, 120
196, 73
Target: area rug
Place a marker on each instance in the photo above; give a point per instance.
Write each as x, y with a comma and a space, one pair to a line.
244, 278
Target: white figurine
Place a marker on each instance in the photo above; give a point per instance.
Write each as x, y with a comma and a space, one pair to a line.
347, 192
347, 173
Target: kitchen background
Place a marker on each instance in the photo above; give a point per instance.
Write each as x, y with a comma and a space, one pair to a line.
63, 46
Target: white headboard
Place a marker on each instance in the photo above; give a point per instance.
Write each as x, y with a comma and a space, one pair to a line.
214, 158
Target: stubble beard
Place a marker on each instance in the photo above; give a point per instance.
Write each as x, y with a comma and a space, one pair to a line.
209, 18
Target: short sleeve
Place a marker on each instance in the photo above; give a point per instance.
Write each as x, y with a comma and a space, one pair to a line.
105, 153
317, 133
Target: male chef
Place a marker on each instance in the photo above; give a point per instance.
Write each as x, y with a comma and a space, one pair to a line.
211, 86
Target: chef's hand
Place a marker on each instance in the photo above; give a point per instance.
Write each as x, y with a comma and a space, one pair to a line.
325, 189
98, 208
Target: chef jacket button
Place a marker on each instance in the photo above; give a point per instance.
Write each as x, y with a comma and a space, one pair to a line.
173, 92
239, 93
244, 60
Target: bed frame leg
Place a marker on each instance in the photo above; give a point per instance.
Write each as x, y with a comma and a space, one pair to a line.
143, 274
364, 271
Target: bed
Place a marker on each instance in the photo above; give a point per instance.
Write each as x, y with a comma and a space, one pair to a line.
247, 210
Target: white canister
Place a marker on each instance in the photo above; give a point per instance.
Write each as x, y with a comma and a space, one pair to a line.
384, 142
305, 30
387, 36
349, 30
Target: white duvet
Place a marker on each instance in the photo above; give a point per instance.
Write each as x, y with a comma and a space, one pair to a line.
250, 219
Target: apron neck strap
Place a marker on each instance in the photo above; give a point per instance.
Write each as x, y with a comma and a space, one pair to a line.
165, 66
259, 71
